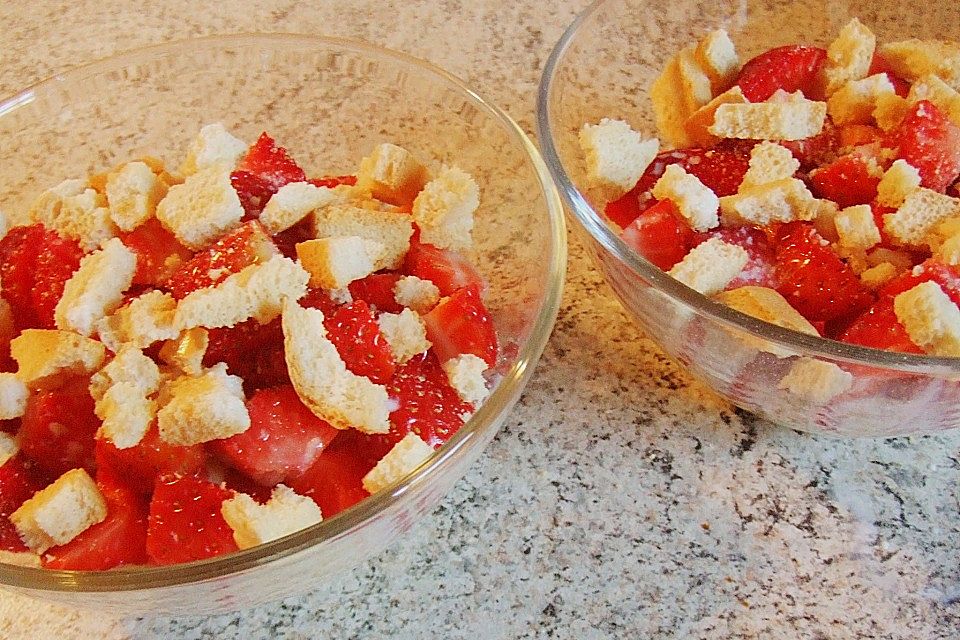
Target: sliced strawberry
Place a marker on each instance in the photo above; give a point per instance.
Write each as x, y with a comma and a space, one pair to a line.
159, 253
879, 64
847, 181
283, 441
271, 164
118, 540
20, 478
879, 328
461, 324
947, 276
447, 269
377, 290
760, 270
288, 239
9, 538
928, 141
353, 329
813, 279
815, 150
141, 464
58, 428
18, 260
334, 481
250, 350
242, 483
185, 522
56, 262
791, 68
660, 235
254, 193
246, 245
333, 181
319, 299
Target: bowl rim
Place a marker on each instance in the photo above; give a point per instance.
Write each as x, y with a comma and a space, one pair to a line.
484, 421
610, 241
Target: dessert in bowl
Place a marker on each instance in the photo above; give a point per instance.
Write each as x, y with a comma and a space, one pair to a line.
698, 78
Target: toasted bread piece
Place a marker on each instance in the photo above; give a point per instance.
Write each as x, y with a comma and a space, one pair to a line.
133, 192
465, 373
392, 174
942, 95
696, 202
214, 146
767, 305
717, 57
922, 210
769, 162
698, 125
122, 391
856, 101
403, 458
816, 380
333, 263
710, 266
284, 513
931, 318
444, 209
849, 56
95, 290
8, 447
75, 211
187, 351
890, 110
146, 319
60, 512
780, 201
394, 229
405, 333
616, 155
13, 397
294, 201
418, 294
202, 408
793, 118
680, 91
201, 209
44, 356
856, 227
913, 59
879, 275
899, 181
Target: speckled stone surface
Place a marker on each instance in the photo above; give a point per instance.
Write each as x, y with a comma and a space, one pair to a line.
621, 499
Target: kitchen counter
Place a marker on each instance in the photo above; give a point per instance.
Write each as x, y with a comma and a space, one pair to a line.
621, 499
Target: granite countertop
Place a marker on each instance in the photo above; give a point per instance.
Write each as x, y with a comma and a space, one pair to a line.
621, 498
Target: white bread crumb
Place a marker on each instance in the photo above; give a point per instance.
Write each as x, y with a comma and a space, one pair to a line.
780, 201
333, 263
444, 209
146, 319
816, 380
405, 333
202, 208
75, 211
899, 181
187, 351
293, 202
856, 227
942, 95
769, 162
616, 155
255, 292
856, 101
403, 458
203, 408
792, 119
133, 192
341, 295
710, 266
392, 174
718, 58
890, 110
129, 367
96, 288
465, 374
122, 391
913, 59
930, 318
879, 275
213, 146
696, 202
286, 512
323, 381
849, 56
13, 396
43, 355
392, 228
60, 512
922, 210
418, 294
8, 447
698, 124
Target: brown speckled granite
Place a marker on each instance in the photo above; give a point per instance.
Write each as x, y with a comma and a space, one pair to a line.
620, 499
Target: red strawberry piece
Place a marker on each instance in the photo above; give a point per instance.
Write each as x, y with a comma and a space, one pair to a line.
333, 181
660, 235
141, 464
319, 299
19, 480
334, 481
271, 164
254, 192
241, 483
947, 276
9, 538
927, 140
250, 350
56, 262
879, 64
461, 324
353, 329
815, 150
18, 260
159, 253
879, 328
847, 181
447, 269
760, 270
246, 245
185, 522
120, 539
284, 439
58, 427
288, 239
813, 279
791, 68
377, 290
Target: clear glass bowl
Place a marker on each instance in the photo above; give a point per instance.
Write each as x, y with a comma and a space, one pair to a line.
328, 101
603, 66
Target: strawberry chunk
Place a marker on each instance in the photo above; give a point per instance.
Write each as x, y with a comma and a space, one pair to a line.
250, 350
353, 329
58, 427
246, 245
288, 239
813, 279
334, 481
141, 464
120, 539
847, 181
879, 328
791, 68
319, 299
377, 290
660, 235
271, 164
159, 253
928, 141
18, 259
461, 324
945, 275
284, 439
19, 480
185, 523
56, 262
760, 270
333, 181
879, 64
815, 150
254, 193
447, 269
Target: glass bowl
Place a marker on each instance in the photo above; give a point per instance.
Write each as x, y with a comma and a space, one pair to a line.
329, 102
603, 66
